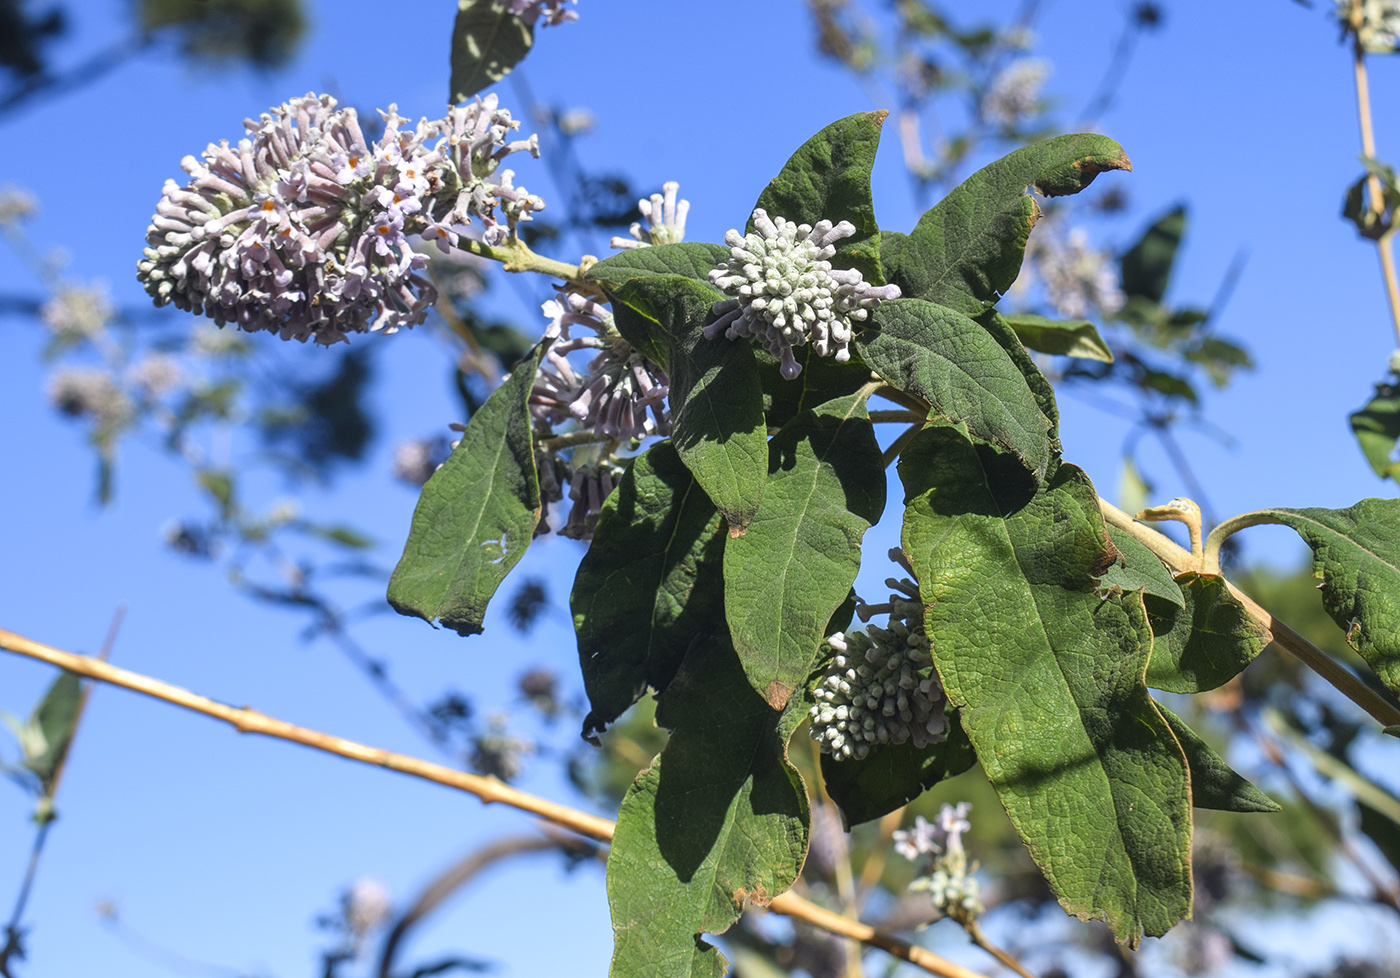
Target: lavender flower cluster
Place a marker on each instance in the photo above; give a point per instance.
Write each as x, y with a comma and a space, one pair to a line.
786, 293
302, 228
623, 394
880, 687
946, 875
665, 220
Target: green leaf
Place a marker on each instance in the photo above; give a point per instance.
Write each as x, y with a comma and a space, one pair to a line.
785, 577
716, 401
487, 42
1205, 642
828, 178
692, 259
952, 362
1147, 265
1377, 429
1381, 831
1393, 730
1077, 338
822, 379
55, 716
1356, 553
995, 324
892, 775
1049, 678
1214, 784
966, 250
1138, 567
651, 582
477, 513
718, 822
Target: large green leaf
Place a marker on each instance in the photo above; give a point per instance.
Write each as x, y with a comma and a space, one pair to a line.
785, 577
692, 259
1076, 338
995, 324
957, 366
822, 379
477, 513
1147, 265
716, 400
1138, 567
651, 582
828, 178
892, 775
487, 42
1204, 643
967, 249
1377, 429
1356, 552
720, 821
1214, 784
1049, 678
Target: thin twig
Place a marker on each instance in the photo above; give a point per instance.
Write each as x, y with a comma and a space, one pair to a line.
1333, 672
489, 790
900, 443
1373, 183
974, 931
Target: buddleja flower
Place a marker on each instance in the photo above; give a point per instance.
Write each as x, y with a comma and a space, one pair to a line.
589, 486
1078, 279
1394, 362
786, 294
302, 229
1378, 25
16, 205
90, 392
552, 10
1014, 94
623, 394
77, 312
879, 687
944, 874
665, 218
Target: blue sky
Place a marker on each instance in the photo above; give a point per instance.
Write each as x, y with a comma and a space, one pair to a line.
223, 847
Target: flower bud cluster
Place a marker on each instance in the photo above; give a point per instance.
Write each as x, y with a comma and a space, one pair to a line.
613, 397
945, 873
786, 294
665, 217
302, 228
552, 10
1376, 23
590, 485
91, 392
879, 686
77, 312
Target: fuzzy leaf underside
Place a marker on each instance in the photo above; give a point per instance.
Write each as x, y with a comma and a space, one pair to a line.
651, 581
716, 401
477, 513
794, 566
958, 367
1138, 567
892, 775
1214, 784
1377, 430
690, 259
1048, 676
1356, 553
1076, 338
719, 821
487, 42
828, 178
967, 249
1206, 642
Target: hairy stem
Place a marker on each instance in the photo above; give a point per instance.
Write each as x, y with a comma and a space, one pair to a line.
488, 790
1181, 560
1373, 183
516, 256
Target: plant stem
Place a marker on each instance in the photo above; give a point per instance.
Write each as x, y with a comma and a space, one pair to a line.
900, 443
1373, 183
1333, 672
974, 931
488, 790
897, 417
572, 438
516, 256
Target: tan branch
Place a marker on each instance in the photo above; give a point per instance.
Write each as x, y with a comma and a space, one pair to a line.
488, 790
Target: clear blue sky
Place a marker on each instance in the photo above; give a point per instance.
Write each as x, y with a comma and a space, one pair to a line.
224, 848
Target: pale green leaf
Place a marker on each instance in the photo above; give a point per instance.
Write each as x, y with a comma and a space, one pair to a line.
794, 566
651, 581
953, 363
487, 42
1377, 430
1138, 567
718, 822
55, 718
1049, 675
477, 513
1077, 338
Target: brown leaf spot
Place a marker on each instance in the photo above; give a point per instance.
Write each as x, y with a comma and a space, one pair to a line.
1107, 557
777, 695
758, 898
